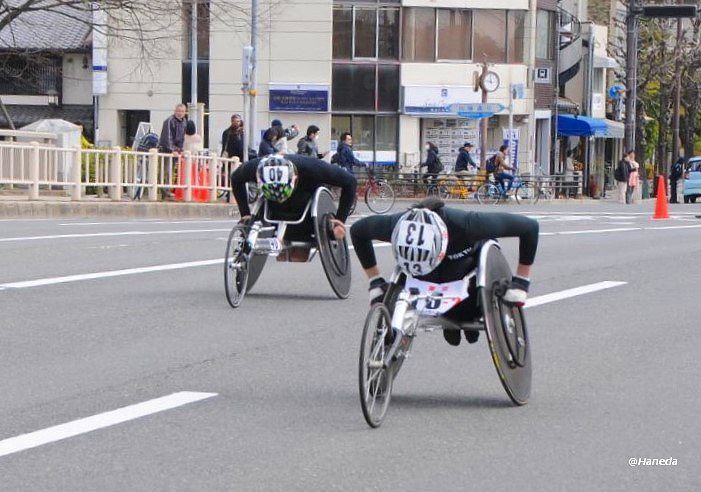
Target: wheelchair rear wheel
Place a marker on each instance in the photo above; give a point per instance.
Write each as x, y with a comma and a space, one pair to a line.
375, 380
335, 256
507, 333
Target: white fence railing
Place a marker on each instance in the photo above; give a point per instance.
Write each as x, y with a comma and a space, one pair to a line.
139, 175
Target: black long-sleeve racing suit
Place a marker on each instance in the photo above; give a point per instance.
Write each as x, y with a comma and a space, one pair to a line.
311, 174
465, 229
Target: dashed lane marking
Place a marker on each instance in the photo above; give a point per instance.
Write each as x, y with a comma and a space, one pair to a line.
107, 234
100, 421
568, 293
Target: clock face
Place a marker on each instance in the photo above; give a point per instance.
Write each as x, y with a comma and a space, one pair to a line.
490, 82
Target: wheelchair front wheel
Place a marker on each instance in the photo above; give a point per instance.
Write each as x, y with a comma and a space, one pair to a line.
375, 380
236, 266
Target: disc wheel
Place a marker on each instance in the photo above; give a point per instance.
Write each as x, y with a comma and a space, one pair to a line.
488, 194
507, 333
375, 380
379, 197
334, 253
236, 266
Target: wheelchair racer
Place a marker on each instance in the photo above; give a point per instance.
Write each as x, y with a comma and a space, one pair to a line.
437, 245
287, 183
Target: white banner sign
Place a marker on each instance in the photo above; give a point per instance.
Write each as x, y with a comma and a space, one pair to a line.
437, 100
99, 52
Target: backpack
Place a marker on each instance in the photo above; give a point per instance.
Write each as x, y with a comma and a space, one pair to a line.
439, 165
334, 158
491, 165
148, 142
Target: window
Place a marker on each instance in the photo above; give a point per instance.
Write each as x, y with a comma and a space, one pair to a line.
454, 34
342, 33
490, 38
202, 30
419, 35
365, 33
388, 37
545, 28
386, 133
387, 87
515, 42
598, 80
378, 135
353, 87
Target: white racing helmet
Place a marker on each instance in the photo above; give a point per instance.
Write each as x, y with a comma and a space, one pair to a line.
277, 178
419, 241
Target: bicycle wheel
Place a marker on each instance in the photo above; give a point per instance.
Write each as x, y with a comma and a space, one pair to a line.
488, 194
527, 193
236, 266
379, 197
375, 380
443, 192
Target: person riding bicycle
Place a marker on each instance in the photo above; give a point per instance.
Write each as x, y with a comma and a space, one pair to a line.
443, 250
504, 170
287, 183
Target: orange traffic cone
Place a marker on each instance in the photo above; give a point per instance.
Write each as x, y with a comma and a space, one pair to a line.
661, 210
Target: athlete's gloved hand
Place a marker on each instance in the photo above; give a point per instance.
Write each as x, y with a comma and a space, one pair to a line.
378, 287
517, 293
246, 220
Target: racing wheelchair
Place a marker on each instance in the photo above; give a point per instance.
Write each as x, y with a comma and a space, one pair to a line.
411, 306
250, 245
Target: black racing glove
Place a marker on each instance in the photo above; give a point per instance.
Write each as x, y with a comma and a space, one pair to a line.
377, 290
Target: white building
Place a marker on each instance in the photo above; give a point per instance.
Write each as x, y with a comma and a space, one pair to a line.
387, 71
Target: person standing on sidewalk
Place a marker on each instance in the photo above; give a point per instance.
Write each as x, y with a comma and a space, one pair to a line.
675, 174
232, 139
308, 146
633, 177
172, 140
621, 175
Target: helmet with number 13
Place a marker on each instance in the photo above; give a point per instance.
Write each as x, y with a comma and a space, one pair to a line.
419, 241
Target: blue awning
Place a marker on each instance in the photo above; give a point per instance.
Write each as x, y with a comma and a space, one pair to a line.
581, 126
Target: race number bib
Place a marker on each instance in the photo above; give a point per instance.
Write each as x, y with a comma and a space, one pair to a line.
445, 296
276, 174
415, 235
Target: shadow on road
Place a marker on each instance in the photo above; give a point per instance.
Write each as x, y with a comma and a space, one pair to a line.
449, 401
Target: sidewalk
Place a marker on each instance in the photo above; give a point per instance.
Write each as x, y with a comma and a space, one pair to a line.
12, 208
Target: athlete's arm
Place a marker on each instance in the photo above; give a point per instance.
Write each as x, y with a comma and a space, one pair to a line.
485, 225
246, 173
367, 230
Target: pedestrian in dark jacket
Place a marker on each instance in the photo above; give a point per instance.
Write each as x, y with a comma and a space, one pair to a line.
232, 139
621, 174
307, 144
346, 158
173, 131
464, 162
675, 174
433, 165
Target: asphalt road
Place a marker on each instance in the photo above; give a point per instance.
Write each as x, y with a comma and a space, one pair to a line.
615, 371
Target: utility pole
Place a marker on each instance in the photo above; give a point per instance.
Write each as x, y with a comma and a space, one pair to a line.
192, 110
634, 11
252, 89
484, 122
677, 99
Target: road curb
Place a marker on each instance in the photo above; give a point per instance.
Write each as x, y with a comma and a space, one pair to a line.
49, 209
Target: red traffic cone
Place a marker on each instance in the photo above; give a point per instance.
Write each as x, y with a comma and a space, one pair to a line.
661, 210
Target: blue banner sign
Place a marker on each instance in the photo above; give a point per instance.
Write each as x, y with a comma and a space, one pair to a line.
299, 99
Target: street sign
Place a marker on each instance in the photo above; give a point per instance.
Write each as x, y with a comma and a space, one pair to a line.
247, 65
518, 91
477, 111
543, 75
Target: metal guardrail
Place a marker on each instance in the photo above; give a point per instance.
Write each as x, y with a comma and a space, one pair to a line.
39, 167
464, 186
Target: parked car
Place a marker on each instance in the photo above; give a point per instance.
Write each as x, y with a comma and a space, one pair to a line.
692, 180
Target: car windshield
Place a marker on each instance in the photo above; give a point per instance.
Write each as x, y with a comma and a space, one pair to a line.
695, 165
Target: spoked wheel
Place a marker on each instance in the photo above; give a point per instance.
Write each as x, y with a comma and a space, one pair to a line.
379, 197
507, 333
335, 256
488, 194
375, 380
236, 266
527, 193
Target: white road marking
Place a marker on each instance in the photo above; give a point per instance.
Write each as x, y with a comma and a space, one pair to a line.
99, 421
666, 228
590, 231
577, 291
120, 273
149, 222
112, 273
107, 234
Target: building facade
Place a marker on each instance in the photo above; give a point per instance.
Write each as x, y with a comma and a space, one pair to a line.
391, 72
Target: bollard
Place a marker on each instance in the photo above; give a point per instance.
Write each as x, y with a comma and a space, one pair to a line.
116, 174
34, 172
188, 176
152, 175
77, 187
214, 177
